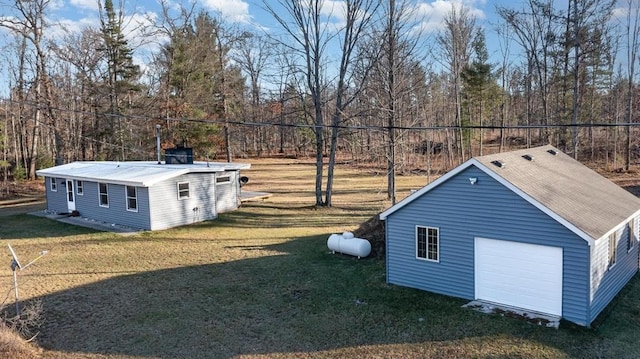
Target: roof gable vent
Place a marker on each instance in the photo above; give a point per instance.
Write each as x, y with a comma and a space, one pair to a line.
499, 163
528, 157
553, 152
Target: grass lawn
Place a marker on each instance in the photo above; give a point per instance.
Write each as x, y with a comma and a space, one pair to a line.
260, 282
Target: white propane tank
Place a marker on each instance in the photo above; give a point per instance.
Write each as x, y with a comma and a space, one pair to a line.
346, 243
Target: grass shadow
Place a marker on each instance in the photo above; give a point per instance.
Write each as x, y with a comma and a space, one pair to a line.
299, 301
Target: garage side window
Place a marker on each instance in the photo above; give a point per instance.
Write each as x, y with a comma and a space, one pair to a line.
631, 237
104, 194
53, 184
613, 244
427, 243
79, 188
183, 190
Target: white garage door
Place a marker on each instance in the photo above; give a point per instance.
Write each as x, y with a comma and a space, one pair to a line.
522, 275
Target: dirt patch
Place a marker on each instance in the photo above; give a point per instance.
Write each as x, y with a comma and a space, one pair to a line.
520, 314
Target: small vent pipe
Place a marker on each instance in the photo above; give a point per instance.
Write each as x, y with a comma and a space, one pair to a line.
158, 142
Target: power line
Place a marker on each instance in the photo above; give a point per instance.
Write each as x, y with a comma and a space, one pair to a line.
330, 126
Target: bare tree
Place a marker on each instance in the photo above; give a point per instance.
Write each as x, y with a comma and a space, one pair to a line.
30, 23
535, 30
587, 21
632, 33
455, 42
23, 152
301, 21
505, 51
397, 50
252, 55
78, 51
357, 17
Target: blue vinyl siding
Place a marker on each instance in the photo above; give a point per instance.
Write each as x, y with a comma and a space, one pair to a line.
56, 201
88, 205
605, 282
167, 211
487, 209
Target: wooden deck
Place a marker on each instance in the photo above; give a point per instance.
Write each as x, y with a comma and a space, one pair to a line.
249, 196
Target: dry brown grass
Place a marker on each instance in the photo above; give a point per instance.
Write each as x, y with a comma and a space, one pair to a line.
15, 347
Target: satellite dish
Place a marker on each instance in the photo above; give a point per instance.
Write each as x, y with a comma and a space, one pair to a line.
16, 262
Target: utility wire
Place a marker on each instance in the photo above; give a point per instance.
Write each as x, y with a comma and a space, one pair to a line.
330, 126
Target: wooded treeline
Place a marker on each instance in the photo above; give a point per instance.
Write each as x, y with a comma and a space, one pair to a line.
369, 84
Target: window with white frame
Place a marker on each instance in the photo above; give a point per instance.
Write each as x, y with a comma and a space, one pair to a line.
132, 198
613, 249
223, 179
79, 188
103, 189
53, 185
631, 234
427, 243
183, 190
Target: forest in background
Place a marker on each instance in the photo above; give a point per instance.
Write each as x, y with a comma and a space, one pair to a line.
374, 89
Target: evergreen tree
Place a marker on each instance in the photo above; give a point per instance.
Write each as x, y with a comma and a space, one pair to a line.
478, 80
121, 72
203, 85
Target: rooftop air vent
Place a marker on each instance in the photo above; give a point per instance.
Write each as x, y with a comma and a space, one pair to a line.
528, 157
553, 152
498, 163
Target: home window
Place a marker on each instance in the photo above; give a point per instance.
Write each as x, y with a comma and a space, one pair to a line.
104, 194
79, 188
613, 243
132, 198
631, 235
183, 190
223, 179
53, 185
427, 243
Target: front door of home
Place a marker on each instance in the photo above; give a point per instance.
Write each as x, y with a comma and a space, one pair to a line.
71, 199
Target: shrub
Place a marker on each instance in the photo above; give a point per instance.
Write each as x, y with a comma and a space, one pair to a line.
19, 173
14, 329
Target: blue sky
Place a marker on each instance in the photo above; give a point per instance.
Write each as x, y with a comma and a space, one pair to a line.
78, 12
75, 14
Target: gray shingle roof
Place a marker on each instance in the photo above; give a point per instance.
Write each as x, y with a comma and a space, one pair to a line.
566, 187
570, 192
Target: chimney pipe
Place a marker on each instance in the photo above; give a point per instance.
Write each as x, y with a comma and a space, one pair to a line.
158, 141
